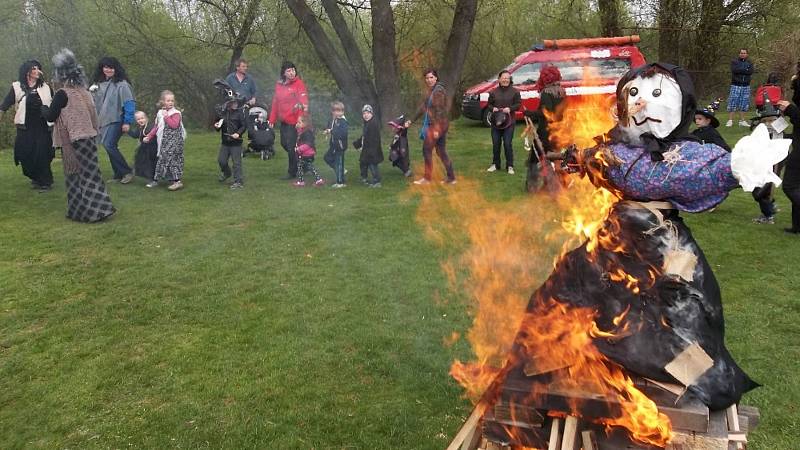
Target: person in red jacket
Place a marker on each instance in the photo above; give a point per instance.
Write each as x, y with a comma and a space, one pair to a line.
288, 104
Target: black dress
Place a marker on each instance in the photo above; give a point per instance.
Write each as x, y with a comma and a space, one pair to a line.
146, 154
33, 146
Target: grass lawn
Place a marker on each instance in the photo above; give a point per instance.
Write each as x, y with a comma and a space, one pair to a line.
282, 318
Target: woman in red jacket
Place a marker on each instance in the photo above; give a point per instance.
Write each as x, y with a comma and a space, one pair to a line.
289, 102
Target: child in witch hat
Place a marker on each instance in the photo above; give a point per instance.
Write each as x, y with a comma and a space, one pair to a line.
707, 125
769, 115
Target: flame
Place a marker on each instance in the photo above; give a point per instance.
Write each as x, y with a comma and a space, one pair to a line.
502, 264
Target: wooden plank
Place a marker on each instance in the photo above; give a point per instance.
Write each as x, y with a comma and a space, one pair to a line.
690, 364
472, 439
570, 440
753, 416
555, 435
589, 440
689, 414
469, 425
732, 416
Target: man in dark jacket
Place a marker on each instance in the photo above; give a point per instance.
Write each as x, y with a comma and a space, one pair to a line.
739, 98
231, 124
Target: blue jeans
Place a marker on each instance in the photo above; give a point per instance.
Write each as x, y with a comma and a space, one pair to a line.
366, 169
338, 167
110, 135
504, 135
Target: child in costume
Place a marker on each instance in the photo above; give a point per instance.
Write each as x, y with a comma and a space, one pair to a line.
707, 125
231, 124
147, 152
398, 149
769, 116
370, 145
170, 136
337, 132
305, 151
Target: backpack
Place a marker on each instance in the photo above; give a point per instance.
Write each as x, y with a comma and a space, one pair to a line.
774, 93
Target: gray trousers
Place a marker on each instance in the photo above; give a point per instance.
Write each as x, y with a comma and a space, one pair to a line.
233, 152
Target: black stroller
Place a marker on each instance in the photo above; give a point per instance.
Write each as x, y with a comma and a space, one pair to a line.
398, 149
261, 135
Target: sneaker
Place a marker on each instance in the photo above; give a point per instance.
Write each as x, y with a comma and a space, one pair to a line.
376, 185
345, 171
448, 181
264, 155
223, 177
319, 182
729, 123
510, 170
744, 123
44, 188
492, 168
365, 181
35, 186
336, 186
152, 184
127, 178
765, 220
299, 183
408, 173
175, 186
422, 181
236, 186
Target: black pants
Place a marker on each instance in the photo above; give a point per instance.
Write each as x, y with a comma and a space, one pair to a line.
288, 142
504, 135
791, 187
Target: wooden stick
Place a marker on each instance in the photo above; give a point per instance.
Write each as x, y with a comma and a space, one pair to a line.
733, 423
589, 440
570, 441
470, 425
555, 435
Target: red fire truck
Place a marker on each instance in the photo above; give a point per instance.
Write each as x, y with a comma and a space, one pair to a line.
606, 59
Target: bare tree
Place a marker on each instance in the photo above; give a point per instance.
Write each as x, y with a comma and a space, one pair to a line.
610, 12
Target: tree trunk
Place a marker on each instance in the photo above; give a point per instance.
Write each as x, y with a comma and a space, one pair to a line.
705, 46
457, 45
609, 17
242, 37
354, 57
326, 51
669, 33
384, 59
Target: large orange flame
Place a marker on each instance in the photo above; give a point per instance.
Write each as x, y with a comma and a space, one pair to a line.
508, 243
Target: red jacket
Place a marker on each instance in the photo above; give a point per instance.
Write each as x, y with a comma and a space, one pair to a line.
286, 100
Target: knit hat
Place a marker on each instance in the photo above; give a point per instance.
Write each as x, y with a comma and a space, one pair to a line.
367, 108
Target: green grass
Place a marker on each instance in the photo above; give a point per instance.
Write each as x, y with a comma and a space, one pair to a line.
285, 318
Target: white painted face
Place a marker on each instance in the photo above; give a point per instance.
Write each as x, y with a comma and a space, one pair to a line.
654, 105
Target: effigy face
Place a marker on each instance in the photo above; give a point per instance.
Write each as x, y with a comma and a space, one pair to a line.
654, 105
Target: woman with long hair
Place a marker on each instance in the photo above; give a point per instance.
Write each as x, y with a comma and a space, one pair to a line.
113, 99
75, 132
435, 123
33, 146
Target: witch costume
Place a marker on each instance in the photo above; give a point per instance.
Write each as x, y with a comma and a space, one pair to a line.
657, 169
146, 156
33, 146
75, 132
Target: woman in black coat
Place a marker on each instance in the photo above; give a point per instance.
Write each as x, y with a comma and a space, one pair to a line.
504, 101
791, 174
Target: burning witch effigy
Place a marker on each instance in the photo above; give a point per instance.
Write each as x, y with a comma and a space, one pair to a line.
635, 311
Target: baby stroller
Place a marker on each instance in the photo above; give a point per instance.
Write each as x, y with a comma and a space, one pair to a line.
398, 149
261, 136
